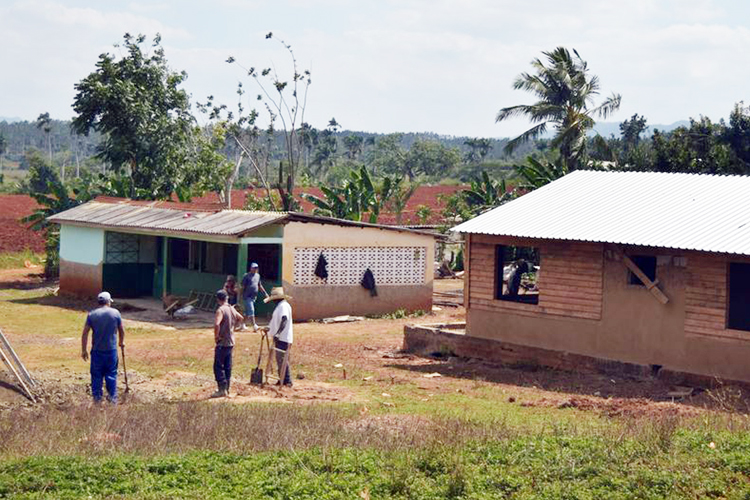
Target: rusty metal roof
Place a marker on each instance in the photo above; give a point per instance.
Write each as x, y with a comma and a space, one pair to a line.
123, 215
157, 217
709, 213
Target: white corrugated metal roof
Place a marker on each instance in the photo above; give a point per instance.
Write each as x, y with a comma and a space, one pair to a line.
708, 213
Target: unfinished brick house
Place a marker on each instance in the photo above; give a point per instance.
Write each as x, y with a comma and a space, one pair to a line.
649, 269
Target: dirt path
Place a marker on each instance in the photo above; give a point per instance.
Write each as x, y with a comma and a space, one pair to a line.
357, 363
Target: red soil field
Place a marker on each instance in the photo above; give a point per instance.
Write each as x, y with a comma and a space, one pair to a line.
14, 235
429, 196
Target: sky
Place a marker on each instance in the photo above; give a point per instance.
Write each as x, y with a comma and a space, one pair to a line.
442, 66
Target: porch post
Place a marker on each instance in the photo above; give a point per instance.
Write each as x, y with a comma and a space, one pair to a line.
166, 265
241, 261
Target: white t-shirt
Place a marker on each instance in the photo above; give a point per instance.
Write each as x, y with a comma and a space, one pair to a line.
287, 334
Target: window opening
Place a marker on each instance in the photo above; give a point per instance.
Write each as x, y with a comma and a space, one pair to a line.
180, 250
517, 272
738, 317
647, 264
122, 248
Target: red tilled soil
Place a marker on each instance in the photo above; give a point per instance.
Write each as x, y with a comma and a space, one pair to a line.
14, 235
430, 196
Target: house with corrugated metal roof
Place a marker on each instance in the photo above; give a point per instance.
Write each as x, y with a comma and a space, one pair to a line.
136, 249
648, 269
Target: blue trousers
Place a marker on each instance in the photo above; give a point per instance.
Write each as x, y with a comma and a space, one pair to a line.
104, 368
223, 366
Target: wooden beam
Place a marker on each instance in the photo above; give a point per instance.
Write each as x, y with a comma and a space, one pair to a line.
651, 286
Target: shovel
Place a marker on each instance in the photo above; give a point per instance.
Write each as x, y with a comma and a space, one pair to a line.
125, 369
256, 376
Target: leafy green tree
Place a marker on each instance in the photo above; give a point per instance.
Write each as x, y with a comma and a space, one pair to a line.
401, 192
136, 102
324, 155
565, 93
354, 145
737, 135
44, 123
41, 174
699, 148
423, 213
631, 131
3, 149
425, 157
479, 148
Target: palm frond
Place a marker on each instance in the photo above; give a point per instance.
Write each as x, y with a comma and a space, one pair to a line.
530, 134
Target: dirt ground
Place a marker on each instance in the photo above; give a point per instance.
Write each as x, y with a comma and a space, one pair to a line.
14, 235
358, 363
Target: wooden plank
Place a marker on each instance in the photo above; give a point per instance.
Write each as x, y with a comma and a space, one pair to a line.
18, 377
572, 270
467, 270
650, 285
571, 300
718, 325
708, 295
573, 308
14, 357
572, 314
570, 290
711, 332
576, 282
705, 311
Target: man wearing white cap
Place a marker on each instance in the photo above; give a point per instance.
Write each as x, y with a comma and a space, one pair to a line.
250, 286
106, 323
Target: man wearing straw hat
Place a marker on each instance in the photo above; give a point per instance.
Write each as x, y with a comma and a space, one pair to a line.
282, 330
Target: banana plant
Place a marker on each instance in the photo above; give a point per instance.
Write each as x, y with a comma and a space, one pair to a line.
484, 193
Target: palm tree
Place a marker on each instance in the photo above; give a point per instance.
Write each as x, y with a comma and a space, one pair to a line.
566, 95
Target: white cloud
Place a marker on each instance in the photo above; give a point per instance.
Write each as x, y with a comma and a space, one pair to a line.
443, 65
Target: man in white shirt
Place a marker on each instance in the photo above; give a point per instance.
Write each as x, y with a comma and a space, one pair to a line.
282, 331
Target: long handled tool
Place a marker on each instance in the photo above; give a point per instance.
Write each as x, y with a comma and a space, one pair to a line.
256, 376
125, 369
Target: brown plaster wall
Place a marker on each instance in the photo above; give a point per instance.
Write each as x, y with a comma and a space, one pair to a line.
83, 280
315, 302
687, 334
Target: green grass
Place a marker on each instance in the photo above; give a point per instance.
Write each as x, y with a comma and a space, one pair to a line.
16, 260
445, 437
539, 467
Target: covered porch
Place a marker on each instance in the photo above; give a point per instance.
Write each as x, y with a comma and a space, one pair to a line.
148, 265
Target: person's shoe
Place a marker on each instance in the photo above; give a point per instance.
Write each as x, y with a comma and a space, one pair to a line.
243, 328
219, 394
255, 327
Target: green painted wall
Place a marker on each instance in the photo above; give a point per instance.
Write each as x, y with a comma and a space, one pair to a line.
185, 280
83, 245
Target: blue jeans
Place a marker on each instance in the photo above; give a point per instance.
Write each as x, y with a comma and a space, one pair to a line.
250, 306
104, 368
223, 366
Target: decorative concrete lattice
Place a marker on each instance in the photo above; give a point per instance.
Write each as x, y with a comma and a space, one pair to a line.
122, 248
346, 266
